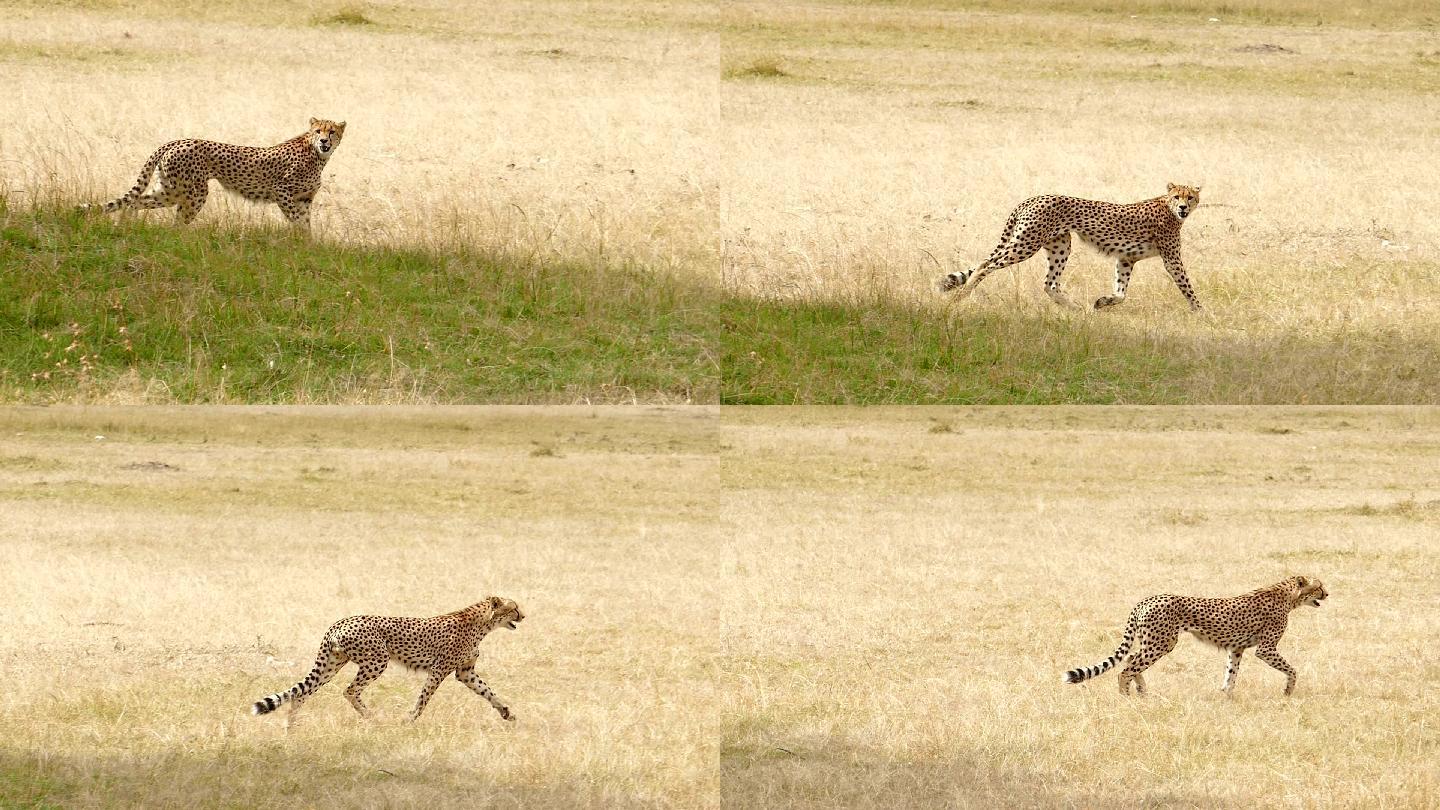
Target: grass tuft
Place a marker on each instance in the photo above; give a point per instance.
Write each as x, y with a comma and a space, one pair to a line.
767, 67
350, 15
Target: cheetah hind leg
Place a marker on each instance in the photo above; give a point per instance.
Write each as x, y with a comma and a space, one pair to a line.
190, 202
1057, 251
1231, 670
369, 671
431, 684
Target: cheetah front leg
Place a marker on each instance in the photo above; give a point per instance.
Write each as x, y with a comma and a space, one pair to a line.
1176, 269
1271, 656
296, 208
1122, 282
469, 678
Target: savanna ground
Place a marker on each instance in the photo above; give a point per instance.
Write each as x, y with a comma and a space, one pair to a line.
835, 607
875, 146
804, 172
517, 198
165, 568
907, 587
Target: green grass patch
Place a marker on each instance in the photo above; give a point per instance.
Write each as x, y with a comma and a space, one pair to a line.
130, 310
883, 351
95, 307
22, 785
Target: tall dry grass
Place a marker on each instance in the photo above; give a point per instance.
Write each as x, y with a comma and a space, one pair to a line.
907, 587
874, 147
819, 153
542, 128
164, 568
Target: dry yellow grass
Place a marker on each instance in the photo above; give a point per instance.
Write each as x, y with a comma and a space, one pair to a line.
817, 151
906, 589
874, 146
840, 607
146, 606
542, 127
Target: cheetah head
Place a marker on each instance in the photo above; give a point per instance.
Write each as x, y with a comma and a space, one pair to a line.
1309, 590
325, 135
505, 612
1183, 200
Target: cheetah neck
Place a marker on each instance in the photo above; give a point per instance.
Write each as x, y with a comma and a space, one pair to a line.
1170, 216
306, 140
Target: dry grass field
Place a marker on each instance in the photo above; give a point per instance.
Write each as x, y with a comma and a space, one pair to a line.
836, 607
160, 579
839, 154
906, 589
545, 128
874, 146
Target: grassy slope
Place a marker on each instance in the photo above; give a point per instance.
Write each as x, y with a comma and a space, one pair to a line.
94, 308
205, 313
884, 351
104, 310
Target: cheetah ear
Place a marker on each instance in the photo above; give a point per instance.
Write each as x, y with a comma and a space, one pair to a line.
1302, 582
314, 121
340, 127
496, 601
1197, 189
1170, 186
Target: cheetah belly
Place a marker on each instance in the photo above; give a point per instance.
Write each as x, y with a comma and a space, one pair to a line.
1218, 640
1116, 245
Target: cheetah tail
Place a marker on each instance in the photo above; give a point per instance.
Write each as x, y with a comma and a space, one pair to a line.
325, 665
141, 183
1086, 673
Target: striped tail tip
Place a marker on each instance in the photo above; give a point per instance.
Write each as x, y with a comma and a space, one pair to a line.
265, 706
953, 281
1074, 676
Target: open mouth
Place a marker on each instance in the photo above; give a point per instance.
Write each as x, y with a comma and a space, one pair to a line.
1184, 213
510, 625
1315, 602
325, 147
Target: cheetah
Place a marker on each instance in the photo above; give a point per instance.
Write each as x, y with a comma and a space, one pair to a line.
287, 174
1256, 619
437, 646
1125, 233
